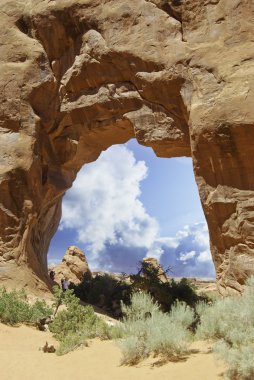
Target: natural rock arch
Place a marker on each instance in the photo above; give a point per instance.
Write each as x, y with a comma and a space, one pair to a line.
79, 76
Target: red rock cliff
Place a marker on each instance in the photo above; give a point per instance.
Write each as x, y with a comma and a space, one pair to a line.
79, 76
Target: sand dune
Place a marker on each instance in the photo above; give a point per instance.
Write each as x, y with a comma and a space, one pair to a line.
21, 358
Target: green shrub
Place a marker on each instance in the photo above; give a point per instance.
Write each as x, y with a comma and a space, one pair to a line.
170, 338
14, 308
71, 342
133, 349
230, 322
72, 320
165, 293
75, 324
146, 330
116, 332
182, 314
239, 359
103, 290
141, 305
107, 291
39, 310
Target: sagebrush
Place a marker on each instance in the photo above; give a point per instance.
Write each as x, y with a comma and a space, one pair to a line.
147, 330
230, 322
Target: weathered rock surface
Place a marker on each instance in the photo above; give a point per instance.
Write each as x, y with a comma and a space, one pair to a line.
73, 266
80, 75
153, 263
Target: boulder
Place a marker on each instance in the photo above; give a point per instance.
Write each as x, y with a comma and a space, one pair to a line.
152, 262
73, 266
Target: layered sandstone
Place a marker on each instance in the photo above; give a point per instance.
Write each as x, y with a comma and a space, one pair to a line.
80, 75
73, 266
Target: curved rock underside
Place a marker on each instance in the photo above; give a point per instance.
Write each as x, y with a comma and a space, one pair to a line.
79, 76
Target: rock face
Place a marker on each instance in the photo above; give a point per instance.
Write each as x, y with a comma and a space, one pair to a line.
73, 266
153, 263
80, 75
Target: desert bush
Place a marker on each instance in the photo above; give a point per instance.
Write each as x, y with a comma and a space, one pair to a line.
141, 305
146, 330
165, 293
14, 308
133, 349
239, 359
230, 322
71, 342
76, 324
115, 332
170, 338
182, 314
103, 290
39, 310
107, 291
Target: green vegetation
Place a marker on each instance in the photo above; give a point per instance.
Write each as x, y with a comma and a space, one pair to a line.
146, 330
105, 291
155, 319
15, 309
75, 324
165, 293
230, 322
108, 292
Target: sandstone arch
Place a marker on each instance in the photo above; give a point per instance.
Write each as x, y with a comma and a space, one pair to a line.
79, 76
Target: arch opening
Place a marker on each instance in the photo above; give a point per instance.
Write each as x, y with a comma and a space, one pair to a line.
89, 75
130, 204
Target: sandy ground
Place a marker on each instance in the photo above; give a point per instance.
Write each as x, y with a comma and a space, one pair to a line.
21, 359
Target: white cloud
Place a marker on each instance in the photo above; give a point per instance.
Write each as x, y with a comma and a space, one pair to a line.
191, 256
187, 256
170, 242
204, 256
201, 236
156, 249
103, 205
183, 233
105, 210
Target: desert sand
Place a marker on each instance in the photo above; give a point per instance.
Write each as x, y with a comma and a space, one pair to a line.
21, 358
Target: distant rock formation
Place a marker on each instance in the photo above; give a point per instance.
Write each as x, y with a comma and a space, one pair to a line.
79, 76
73, 266
156, 265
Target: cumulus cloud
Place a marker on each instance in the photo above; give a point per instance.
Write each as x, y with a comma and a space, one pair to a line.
187, 256
112, 225
103, 205
184, 253
160, 244
204, 256
191, 256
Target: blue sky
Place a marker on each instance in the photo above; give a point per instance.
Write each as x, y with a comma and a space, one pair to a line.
130, 204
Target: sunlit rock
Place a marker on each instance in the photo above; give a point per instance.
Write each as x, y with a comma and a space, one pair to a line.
79, 76
72, 267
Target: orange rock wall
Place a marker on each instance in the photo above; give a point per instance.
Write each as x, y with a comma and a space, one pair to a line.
79, 76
